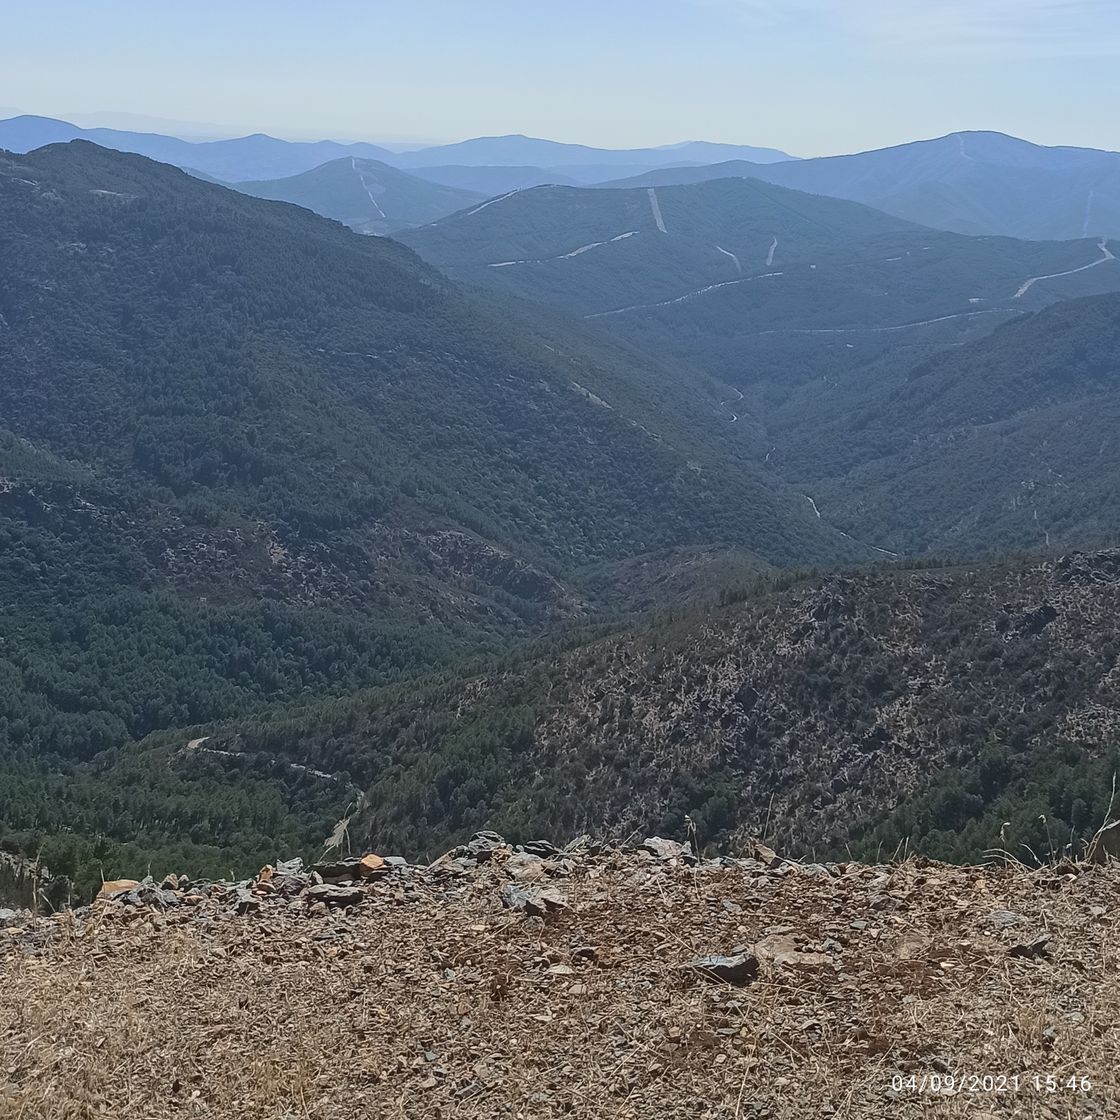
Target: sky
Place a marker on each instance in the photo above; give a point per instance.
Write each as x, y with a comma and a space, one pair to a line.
812, 77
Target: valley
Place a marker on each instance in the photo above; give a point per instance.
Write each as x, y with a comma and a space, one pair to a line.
500, 525
560, 561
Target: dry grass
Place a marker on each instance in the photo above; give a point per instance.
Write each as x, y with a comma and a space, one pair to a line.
430, 1000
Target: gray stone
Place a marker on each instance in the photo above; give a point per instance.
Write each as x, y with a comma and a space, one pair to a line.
244, 901
289, 884
1005, 918
338, 870
665, 849
335, 895
12, 917
147, 894
534, 901
483, 845
813, 870
525, 867
741, 968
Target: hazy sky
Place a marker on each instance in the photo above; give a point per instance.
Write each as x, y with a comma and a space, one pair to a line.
809, 76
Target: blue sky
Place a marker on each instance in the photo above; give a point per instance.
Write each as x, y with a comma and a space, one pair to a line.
810, 76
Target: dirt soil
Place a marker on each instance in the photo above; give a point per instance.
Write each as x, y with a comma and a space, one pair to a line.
502, 983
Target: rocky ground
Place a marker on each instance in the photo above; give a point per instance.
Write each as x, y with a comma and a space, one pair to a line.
596, 981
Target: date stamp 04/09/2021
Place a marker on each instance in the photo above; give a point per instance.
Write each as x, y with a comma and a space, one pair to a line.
952, 1084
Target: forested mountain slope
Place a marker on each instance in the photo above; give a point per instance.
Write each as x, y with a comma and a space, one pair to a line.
365, 194
816, 311
967, 182
922, 708
1008, 441
249, 455
715, 268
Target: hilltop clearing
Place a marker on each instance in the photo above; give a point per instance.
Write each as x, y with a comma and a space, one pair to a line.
596, 981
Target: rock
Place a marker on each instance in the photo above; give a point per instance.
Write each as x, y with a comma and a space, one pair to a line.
483, 845
1004, 918
244, 901
396, 863
665, 849
1105, 845
334, 895
761, 852
289, 867
371, 866
338, 870
532, 900
813, 870
525, 867
117, 886
289, 884
741, 968
541, 848
12, 917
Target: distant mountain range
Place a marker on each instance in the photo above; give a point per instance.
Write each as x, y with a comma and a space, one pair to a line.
365, 194
265, 157
967, 182
247, 157
513, 150
978, 183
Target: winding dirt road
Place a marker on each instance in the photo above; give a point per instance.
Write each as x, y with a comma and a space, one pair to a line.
734, 416
681, 299
567, 256
884, 330
491, 202
1107, 255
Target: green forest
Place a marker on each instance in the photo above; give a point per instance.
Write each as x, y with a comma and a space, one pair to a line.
294, 529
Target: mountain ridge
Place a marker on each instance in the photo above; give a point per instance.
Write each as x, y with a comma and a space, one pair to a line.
978, 183
368, 195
